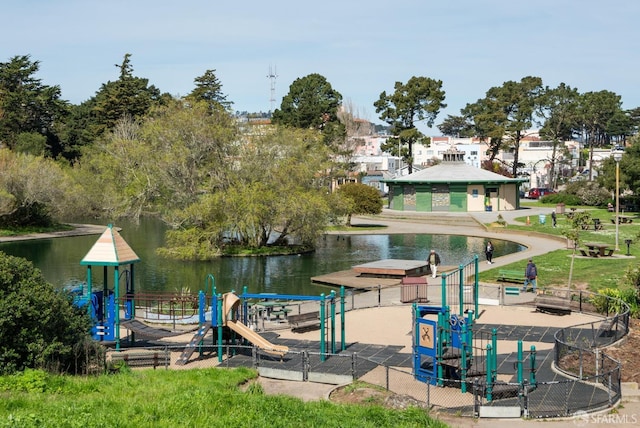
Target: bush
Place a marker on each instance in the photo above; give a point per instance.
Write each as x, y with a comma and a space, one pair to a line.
40, 327
589, 193
561, 198
609, 301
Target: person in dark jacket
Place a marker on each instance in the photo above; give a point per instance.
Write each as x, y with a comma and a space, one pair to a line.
530, 276
488, 251
434, 262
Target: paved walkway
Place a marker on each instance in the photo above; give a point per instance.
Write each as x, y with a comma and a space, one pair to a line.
386, 332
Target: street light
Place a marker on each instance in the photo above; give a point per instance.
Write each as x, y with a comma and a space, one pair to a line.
617, 156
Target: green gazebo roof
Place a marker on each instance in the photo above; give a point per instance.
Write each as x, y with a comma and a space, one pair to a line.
110, 250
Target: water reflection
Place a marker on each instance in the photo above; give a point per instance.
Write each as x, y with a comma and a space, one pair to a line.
59, 259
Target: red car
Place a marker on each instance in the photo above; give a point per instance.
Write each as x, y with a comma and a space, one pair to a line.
538, 192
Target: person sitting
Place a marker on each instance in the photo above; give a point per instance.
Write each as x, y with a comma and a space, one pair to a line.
610, 207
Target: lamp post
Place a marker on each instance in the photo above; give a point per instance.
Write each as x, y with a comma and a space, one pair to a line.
617, 156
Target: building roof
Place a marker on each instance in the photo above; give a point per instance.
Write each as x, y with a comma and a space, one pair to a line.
110, 250
455, 172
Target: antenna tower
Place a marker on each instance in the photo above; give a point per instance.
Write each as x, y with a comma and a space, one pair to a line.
273, 74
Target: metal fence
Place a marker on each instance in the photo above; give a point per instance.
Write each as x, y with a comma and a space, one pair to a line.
591, 379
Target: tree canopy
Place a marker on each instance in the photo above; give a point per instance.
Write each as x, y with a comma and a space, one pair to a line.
310, 103
28, 107
420, 99
505, 114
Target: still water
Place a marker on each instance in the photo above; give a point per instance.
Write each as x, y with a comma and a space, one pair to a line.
59, 260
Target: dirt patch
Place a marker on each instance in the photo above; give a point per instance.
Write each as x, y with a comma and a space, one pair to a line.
627, 353
362, 393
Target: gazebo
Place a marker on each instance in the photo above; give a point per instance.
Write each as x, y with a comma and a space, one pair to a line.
110, 250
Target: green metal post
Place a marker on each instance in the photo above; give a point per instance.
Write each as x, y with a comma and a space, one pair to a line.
443, 290
469, 336
494, 346
220, 318
322, 328
532, 366
489, 372
520, 362
342, 320
333, 321
476, 282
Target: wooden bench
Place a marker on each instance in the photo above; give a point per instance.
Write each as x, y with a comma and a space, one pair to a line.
553, 304
510, 275
307, 320
607, 326
140, 359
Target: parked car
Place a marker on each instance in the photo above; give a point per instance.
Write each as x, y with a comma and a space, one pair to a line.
538, 192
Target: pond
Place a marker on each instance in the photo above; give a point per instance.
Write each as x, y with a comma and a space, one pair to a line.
59, 260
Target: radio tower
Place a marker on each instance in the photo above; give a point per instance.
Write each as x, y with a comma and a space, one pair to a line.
273, 74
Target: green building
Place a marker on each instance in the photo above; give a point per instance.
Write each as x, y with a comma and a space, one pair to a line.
454, 186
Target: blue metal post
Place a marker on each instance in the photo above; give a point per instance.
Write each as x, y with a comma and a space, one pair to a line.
461, 290
323, 327
465, 359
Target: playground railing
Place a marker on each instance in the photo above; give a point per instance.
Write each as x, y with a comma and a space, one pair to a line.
160, 306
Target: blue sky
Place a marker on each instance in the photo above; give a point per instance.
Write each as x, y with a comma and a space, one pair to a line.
361, 48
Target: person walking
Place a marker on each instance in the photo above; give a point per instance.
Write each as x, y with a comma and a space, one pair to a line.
434, 262
488, 252
554, 220
530, 276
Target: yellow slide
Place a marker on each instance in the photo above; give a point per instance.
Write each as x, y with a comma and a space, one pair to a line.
229, 302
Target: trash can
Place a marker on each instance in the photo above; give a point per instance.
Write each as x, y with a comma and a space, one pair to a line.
413, 289
542, 219
560, 208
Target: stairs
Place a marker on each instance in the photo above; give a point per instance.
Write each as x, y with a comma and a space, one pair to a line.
193, 344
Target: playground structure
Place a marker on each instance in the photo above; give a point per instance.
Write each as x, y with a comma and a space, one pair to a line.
456, 351
236, 311
449, 348
229, 311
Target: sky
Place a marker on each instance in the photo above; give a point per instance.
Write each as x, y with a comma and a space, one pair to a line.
361, 47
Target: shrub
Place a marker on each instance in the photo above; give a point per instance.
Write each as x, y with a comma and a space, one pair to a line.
589, 192
561, 198
610, 301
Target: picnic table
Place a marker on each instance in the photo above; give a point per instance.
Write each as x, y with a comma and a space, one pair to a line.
597, 249
623, 219
274, 308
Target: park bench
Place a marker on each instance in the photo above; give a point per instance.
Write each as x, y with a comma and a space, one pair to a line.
554, 304
140, 359
304, 321
606, 328
507, 275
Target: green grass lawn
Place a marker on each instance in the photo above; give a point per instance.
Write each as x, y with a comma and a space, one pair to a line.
178, 398
593, 273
